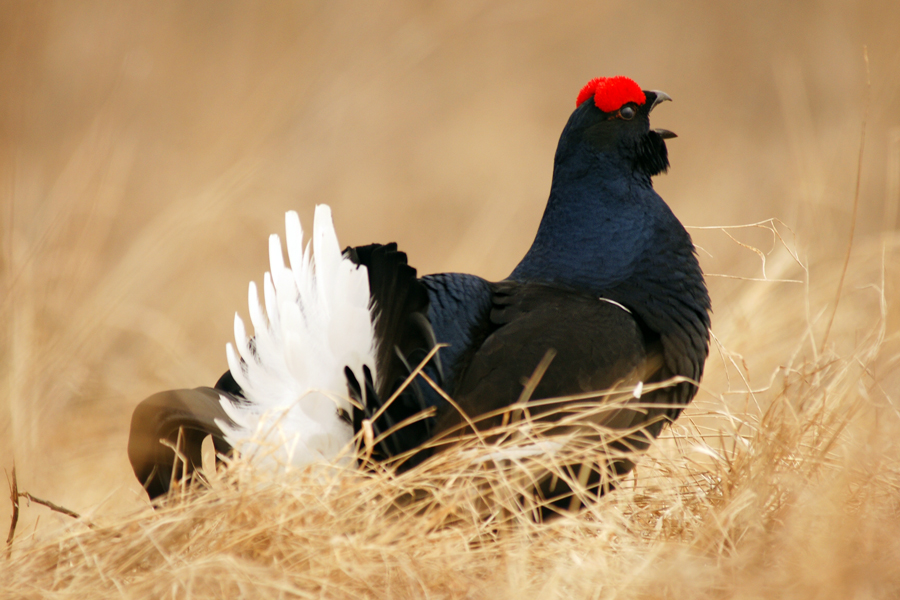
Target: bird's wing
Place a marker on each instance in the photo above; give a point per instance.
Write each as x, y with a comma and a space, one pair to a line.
595, 345
176, 418
412, 316
668, 297
459, 312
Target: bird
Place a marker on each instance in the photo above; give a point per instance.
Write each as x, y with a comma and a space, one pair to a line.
610, 293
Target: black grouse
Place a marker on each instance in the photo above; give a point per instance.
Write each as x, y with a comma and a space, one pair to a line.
610, 293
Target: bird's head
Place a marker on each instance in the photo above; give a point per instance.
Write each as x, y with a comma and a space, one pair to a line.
612, 117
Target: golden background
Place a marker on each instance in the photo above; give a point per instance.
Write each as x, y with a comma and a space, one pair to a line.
148, 149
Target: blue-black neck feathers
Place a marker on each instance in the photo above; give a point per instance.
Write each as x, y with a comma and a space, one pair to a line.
602, 211
607, 232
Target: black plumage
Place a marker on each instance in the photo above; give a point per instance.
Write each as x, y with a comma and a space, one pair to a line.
183, 418
610, 292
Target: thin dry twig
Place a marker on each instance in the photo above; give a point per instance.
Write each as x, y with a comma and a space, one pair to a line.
14, 497
855, 211
15, 494
770, 225
52, 506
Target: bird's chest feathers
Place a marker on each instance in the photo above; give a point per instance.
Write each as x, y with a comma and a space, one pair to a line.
610, 246
592, 248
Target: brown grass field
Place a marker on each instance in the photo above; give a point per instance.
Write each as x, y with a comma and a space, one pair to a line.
148, 149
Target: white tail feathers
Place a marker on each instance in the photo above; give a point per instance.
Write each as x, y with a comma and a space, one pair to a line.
316, 322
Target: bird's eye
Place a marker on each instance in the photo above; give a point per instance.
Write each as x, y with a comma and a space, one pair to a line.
627, 112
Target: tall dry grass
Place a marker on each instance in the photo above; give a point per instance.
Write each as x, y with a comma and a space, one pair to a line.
790, 491
147, 154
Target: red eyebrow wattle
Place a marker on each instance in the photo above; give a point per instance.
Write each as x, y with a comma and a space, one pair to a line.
611, 93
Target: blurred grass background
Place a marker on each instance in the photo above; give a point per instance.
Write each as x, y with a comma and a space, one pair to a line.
147, 150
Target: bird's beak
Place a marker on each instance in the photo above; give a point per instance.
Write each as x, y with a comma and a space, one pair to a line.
659, 97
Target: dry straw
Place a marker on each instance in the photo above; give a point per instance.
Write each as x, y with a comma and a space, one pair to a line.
790, 491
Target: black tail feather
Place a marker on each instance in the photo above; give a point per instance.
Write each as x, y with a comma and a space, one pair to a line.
366, 395
404, 338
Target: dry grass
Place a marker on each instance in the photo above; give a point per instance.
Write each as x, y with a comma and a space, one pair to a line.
787, 492
145, 157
